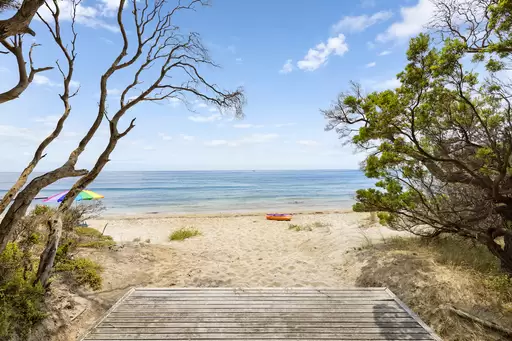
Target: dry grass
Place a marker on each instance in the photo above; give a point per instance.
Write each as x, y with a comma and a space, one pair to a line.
369, 221
307, 227
184, 233
428, 275
298, 228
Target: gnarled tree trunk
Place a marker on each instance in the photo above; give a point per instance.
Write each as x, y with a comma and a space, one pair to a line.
19, 22
47, 257
504, 254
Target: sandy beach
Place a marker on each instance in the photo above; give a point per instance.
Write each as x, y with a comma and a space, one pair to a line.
248, 250
233, 250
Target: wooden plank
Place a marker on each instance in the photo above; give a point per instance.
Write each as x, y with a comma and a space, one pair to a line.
262, 289
241, 315
261, 330
256, 298
288, 336
259, 319
252, 324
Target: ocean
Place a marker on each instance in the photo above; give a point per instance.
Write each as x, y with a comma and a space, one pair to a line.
218, 191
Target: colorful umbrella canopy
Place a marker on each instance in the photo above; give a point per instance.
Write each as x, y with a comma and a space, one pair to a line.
83, 195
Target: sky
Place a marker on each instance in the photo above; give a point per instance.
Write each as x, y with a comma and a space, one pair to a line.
291, 57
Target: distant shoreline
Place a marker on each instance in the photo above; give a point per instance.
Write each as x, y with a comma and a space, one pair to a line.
163, 215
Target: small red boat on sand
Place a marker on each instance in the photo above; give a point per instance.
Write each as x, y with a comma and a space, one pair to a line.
279, 216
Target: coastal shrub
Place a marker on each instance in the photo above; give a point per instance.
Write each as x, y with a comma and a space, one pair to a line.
21, 302
320, 224
92, 238
136, 240
82, 271
298, 228
184, 233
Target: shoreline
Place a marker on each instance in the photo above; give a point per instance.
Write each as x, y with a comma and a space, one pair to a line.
170, 215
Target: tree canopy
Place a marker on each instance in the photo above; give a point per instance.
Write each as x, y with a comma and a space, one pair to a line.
440, 144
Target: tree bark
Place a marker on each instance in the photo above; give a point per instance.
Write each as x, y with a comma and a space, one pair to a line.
47, 257
19, 22
504, 254
23, 200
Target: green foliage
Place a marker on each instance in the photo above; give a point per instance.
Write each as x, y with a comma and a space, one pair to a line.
438, 145
83, 271
92, 238
40, 210
501, 284
21, 303
184, 233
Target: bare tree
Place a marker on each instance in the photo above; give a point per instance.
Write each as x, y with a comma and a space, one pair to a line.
70, 56
20, 21
161, 54
15, 47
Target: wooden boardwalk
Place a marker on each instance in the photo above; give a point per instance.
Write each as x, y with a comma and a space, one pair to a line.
260, 314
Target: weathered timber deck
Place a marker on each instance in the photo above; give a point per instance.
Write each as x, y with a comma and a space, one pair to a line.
260, 314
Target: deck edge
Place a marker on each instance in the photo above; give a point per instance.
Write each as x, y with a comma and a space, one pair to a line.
414, 315
106, 314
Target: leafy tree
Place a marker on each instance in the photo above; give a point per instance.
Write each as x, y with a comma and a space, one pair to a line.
440, 145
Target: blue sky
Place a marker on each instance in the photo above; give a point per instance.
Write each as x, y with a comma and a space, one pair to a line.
292, 57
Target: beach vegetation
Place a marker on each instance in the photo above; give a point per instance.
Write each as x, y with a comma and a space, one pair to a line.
320, 224
184, 233
439, 144
298, 228
136, 240
439, 279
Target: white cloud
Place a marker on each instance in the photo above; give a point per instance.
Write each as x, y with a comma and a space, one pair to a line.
86, 15
174, 102
371, 45
216, 143
201, 105
310, 143
372, 64
391, 83
239, 60
280, 125
247, 125
149, 148
361, 22
203, 119
43, 80
16, 133
287, 67
113, 92
165, 137
187, 137
413, 21
232, 49
74, 84
213, 109
384, 53
318, 56
251, 139
48, 120
3, 69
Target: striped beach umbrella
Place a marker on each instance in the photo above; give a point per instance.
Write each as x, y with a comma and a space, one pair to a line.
83, 195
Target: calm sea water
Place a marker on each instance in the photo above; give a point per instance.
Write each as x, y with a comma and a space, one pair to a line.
218, 191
